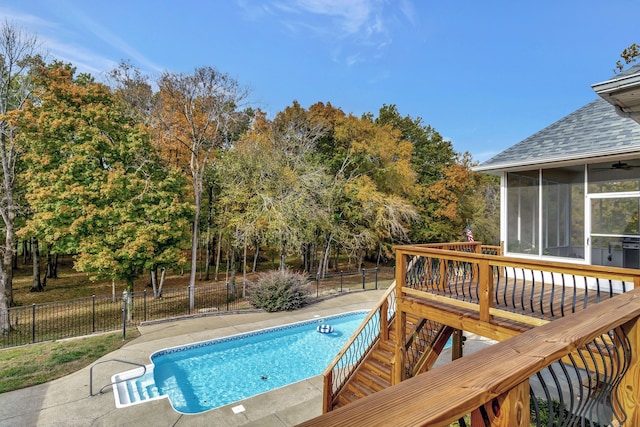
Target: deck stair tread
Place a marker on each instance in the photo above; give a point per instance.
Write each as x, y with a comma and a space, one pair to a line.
360, 389
376, 382
378, 367
374, 374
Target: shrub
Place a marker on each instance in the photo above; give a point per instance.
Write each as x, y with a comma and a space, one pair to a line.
279, 291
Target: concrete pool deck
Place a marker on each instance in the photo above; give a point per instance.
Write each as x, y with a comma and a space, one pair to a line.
66, 401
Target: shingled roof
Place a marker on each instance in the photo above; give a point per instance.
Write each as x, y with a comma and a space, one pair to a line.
591, 132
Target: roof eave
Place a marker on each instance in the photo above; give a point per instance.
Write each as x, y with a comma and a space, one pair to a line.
623, 93
563, 161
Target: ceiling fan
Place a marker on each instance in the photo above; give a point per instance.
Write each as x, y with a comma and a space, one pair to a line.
619, 165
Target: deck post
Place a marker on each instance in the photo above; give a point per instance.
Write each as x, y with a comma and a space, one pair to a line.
384, 321
510, 409
485, 290
628, 390
456, 344
401, 319
327, 402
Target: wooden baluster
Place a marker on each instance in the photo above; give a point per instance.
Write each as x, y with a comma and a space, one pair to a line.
629, 388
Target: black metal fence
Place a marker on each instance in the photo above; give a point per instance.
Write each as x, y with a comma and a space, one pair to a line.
104, 313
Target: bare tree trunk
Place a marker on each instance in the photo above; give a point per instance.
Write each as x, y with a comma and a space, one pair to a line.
154, 280
36, 285
209, 219
244, 271
26, 251
163, 276
323, 266
232, 268
194, 246
283, 257
219, 252
52, 266
256, 256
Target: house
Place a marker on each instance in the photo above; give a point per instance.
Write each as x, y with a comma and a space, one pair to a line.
571, 192
565, 320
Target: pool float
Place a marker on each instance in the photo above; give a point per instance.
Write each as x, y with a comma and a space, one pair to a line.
324, 329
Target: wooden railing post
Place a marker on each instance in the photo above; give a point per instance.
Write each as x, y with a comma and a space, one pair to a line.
485, 282
510, 409
327, 393
384, 321
456, 344
628, 390
401, 319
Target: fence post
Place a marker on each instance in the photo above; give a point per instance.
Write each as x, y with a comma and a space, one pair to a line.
317, 286
93, 313
364, 272
33, 323
341, 276
227, 297
125, 299
144, 304
376, 277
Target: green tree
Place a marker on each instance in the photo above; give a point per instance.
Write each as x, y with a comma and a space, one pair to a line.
274, 190
17, 52
372, 179
94, 183
441, 179
199, 115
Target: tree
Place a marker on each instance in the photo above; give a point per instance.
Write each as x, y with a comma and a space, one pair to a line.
435, 162
274, 189
200, 114
629, 55
94, 183
17, 51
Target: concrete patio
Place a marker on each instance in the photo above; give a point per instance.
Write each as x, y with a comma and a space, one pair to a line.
66, 401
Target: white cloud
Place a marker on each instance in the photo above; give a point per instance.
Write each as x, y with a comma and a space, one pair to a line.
358, 29
111, 39
69, 41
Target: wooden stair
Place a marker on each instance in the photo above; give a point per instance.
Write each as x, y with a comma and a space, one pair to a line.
374, 374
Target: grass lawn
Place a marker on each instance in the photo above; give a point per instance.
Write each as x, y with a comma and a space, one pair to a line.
38, 363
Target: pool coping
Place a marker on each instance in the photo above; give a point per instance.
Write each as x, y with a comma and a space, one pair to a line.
66, 401
119, 380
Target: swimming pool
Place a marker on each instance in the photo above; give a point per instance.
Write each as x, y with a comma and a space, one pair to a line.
206, 375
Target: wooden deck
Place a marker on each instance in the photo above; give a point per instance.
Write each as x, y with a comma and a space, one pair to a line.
581, 319
498, 297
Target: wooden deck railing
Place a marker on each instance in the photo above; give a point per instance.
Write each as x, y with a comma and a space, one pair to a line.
373, 328
550, 313
494, 384
500, 296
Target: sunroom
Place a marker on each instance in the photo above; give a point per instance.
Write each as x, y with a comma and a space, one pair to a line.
571, 191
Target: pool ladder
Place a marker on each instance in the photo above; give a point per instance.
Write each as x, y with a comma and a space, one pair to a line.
91, 394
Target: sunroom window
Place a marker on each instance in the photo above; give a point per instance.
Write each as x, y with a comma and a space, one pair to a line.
551, 213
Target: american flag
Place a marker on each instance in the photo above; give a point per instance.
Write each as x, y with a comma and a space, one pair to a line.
469, 234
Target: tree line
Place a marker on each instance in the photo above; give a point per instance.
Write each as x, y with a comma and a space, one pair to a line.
135, 175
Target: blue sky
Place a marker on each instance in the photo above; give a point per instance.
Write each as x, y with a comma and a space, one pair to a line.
485, 74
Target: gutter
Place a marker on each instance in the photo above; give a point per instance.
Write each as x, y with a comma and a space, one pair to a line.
568, 160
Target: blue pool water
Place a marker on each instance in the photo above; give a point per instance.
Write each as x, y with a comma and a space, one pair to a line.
206, 375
